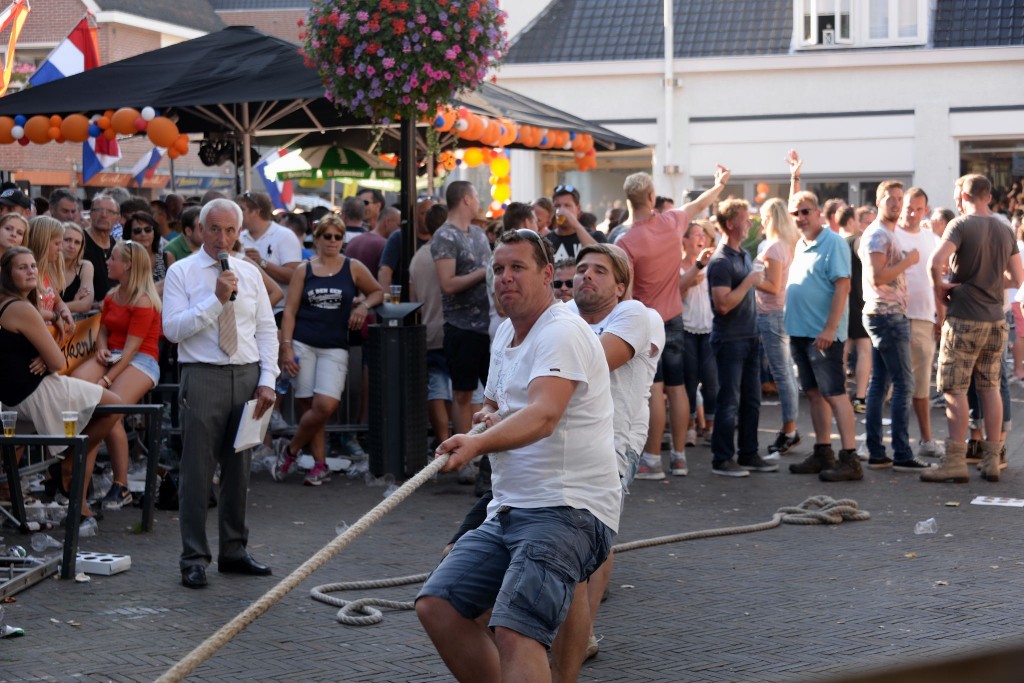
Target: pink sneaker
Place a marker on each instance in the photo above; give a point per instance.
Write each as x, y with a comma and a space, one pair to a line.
318, 475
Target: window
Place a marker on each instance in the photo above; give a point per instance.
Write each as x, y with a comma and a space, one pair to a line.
826, 22
864, 23
896, 21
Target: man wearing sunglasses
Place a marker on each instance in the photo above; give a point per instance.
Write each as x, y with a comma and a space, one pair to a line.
567, 234
816, 318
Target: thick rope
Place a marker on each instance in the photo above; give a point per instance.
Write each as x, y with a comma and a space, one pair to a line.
814, 510
208, 647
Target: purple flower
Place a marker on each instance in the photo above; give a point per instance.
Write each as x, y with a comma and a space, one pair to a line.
361, 15
364, 29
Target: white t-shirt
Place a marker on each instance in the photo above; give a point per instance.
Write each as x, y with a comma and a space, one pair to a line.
697, 313
277, 245
631, 382
920, 295
576, 465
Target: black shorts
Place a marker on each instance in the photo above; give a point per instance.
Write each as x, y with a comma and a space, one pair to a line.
468, 355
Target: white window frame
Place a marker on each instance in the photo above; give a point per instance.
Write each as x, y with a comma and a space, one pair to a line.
860, 26
893, 37
812, 9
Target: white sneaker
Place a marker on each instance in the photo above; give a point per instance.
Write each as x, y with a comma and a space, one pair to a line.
691, 437
931, 449
277, 422
862, 451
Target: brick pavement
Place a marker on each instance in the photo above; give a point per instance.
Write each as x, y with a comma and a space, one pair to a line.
789, 604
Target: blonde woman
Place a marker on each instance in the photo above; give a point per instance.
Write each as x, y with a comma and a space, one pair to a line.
46, 240
127, 356
78, 293
781, 235
13, 228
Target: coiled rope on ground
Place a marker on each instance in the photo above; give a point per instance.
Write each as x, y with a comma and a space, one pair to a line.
814, 510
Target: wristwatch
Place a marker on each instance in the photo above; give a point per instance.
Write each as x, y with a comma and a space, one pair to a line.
263, 263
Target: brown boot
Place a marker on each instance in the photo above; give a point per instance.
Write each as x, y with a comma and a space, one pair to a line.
990, 460
823, 458
953, 468
848, 468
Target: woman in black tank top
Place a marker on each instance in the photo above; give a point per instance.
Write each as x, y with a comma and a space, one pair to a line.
29, 361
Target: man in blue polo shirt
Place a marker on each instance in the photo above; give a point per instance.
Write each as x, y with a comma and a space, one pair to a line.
816, 320
737, 349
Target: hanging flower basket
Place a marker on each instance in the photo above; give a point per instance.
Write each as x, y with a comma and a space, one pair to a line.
385, 59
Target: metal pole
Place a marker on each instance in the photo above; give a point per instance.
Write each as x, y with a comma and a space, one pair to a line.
407, 201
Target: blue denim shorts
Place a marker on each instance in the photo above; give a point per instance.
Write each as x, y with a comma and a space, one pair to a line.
147, 365
439, 382
821, 370
670, 365
524, 562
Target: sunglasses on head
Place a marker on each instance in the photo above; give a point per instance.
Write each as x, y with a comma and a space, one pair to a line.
144, 229
558, 284
800, 212
532, 236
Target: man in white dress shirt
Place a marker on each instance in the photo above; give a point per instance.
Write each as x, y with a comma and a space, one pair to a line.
228, 354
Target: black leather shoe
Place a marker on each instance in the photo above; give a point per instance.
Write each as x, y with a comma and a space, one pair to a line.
243, 565
194, 576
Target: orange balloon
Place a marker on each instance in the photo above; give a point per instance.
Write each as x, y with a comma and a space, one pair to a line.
475, 128
181, 143
37, 129
75, 128
54, 133
162, 132
6, 123
109, 113
173, 153
123, 120
103, 122
511, 130
447, 118
762, 188
492, 136
55, 121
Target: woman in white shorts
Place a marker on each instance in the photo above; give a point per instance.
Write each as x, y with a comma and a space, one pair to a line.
318, 314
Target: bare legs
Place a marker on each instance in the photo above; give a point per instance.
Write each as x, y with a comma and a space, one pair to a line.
315, 413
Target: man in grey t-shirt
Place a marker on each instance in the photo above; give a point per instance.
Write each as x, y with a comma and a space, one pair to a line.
461, 252
984, 261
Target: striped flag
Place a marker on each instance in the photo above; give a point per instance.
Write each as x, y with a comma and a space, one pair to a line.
97, 154
79, 52
280, 191
146, 166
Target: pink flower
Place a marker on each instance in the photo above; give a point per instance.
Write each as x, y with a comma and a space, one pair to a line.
437, 36
362, 15
389, 62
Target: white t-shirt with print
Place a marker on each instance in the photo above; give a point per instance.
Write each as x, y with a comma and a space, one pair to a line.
576, 465
277, 245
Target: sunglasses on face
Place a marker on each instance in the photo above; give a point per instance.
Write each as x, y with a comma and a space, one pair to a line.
144, 229
800, 212
332, 237
558, 284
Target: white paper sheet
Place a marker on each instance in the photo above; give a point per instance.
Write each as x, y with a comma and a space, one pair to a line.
251, 430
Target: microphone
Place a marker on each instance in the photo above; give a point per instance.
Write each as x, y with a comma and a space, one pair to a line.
223, 258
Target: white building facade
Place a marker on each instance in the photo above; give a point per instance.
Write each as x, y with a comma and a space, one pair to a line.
865, 90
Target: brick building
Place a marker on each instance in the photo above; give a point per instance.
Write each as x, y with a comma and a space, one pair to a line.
125, 28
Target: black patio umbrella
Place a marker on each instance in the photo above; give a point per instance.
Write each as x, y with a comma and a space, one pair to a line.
243, 82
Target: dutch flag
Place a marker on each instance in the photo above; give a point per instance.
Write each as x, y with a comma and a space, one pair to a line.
97, 154
280, 191
79, 52
146, 166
